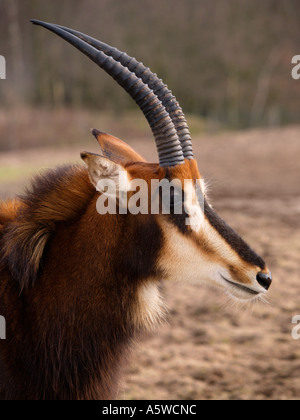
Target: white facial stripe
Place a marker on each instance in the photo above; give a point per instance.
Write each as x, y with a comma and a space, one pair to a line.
219, 245
194, 204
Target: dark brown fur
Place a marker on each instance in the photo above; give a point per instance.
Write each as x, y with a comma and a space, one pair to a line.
67, 335
57, 196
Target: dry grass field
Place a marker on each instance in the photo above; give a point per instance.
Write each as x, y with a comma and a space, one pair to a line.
209, 347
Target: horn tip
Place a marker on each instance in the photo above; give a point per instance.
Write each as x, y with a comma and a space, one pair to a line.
36, 22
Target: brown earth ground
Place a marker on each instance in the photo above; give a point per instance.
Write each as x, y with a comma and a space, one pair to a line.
210, 347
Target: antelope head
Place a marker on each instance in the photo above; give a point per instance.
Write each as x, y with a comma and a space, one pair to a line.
204, 249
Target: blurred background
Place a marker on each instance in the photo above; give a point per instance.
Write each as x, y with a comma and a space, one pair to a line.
229, 64
228, 61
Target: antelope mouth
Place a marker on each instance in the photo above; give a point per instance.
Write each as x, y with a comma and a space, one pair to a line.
240, 286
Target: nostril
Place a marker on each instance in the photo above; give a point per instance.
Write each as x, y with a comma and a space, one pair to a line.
264, 280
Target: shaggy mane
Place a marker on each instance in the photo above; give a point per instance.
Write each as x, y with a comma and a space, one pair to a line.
26, 224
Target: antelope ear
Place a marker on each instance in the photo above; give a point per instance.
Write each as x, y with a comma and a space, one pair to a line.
116, 149
101, 169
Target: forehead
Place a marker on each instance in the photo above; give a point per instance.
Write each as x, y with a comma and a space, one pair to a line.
188, 170
147, 171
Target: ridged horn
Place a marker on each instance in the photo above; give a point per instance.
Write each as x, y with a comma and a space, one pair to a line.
151, 79
165, 134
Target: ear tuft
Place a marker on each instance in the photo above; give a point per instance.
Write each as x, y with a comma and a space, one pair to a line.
96, 132
101, 168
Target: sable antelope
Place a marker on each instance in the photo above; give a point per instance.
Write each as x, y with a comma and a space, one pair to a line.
77, 287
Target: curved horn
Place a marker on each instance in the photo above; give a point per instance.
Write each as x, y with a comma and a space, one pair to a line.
166, 138
159, 88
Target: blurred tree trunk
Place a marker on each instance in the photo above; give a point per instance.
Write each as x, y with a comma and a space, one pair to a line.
17, 61
263, 87
17, 87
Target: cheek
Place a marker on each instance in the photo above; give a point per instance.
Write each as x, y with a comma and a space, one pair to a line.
183, 260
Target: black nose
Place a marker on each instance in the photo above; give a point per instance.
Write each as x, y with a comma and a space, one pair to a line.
264, 280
